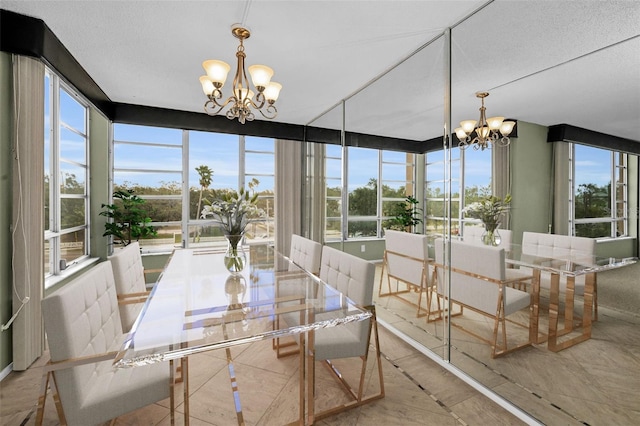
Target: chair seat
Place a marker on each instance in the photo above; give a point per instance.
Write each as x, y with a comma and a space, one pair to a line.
122, 387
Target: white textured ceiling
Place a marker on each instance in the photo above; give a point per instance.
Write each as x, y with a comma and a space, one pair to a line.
575, 62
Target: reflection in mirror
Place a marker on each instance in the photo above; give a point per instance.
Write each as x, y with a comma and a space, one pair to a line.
405, 106
572, 82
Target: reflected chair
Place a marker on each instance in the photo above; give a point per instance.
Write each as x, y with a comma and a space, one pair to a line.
84, 333
479, 282
406, 260
354, 278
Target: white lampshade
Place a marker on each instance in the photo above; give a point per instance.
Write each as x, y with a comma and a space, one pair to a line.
241, 94
468, 125
207, 85
216, 70
460, 133
272, 91
507, 127
483, 132
494, 123
260, 75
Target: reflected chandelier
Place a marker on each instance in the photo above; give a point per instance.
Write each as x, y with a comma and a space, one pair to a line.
241, 99
494, 129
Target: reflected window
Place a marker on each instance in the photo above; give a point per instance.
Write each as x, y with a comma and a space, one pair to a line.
376, 184
599, 187
66, 173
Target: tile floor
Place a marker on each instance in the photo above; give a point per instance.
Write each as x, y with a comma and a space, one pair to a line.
596, 382
418, 392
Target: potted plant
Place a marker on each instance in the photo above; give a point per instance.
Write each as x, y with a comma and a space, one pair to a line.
233, 211
129, 221
407, 215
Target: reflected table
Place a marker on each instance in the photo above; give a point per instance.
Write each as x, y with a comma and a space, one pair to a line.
198, 306
568, 268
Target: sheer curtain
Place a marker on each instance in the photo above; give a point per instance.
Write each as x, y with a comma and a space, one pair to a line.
288, 197
501, 176
28, 209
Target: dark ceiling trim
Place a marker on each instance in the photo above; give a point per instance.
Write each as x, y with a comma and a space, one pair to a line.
569, 133
28, 36
161, 117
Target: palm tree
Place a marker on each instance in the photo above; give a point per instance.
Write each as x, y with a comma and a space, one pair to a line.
206, 176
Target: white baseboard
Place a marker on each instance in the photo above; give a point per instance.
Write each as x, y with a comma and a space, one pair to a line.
4, 373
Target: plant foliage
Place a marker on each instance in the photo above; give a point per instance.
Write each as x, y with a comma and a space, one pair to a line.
129, 221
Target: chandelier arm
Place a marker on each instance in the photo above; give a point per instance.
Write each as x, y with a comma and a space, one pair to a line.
270, 112
260, 99
212, 107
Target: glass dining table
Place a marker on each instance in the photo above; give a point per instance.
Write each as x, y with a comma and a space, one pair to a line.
562, 269
197, 306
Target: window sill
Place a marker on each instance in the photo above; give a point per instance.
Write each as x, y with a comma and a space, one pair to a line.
67, 274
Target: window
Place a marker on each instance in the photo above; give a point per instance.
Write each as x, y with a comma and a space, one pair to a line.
397, 181
66, 177
177, 172
470, 175
599, 187
148, 161
333, 201
437, 191
376, 182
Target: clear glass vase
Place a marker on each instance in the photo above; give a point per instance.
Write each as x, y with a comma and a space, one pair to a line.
235, 258
491, 237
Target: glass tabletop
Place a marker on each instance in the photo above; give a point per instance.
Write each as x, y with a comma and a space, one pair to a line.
563, 262
197, 305
569, 263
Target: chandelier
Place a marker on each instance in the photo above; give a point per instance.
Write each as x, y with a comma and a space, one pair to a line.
493, 130
241, 101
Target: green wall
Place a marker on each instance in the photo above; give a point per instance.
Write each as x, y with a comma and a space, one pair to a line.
531, 180
99, 180
5, 207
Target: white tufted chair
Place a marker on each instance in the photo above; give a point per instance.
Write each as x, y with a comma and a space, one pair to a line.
353, 277
479, 282
84, 332
406, 260
306, 253
131, 288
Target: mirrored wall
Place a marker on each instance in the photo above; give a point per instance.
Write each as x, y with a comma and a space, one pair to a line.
541, 64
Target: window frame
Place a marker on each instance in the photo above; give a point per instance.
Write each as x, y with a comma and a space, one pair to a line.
54, 231
618, 167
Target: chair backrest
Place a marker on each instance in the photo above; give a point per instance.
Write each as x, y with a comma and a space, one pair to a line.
485, 261
81, 319
353, 277
406, 254
128, 274
556, 246
473, 235
306, 253
349, 274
